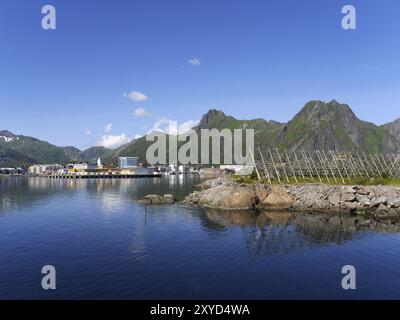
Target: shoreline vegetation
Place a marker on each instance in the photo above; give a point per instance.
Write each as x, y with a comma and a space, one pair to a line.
362, 181
379, 198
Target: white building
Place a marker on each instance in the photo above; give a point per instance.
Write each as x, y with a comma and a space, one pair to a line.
39, 169
83, 166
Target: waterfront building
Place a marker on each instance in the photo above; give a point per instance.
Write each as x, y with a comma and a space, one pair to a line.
82, 166
39, 169
128, 162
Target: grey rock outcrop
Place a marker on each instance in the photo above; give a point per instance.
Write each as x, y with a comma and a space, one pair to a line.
375, 200
229, 197
222, 193
278, 198
157, 199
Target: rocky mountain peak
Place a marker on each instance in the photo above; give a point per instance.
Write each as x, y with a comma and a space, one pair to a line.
394, 128
317, 110
7, 134
211, 115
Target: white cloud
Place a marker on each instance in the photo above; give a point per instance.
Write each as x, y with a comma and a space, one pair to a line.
172, 127
136, 96
140, 112
160, 125
112, 141
137, 136
186, 126
108, 127
195, 62
88, 132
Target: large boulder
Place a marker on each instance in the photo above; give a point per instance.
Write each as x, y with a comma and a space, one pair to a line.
157, 199
168, 198
229, 197
151, 199
261, 191
334, 198
379, 200
278, 198
348, 197
363, 200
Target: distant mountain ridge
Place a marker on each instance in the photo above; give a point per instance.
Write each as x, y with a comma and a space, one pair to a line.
18, 150
318, 125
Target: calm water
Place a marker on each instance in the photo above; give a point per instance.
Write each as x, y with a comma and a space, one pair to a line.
104, 245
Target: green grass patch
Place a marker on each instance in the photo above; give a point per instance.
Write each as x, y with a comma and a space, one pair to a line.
364, 181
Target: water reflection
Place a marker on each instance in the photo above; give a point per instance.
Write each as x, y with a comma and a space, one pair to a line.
264, 233
267, 233
21, 192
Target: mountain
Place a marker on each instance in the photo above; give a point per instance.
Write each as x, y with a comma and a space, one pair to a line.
136, 147
19, 149
7, 136
40, 151
264, 131
72, 153
219, 120
212, 119
12, 158
93, 153
394, 128
318, 125
334, 126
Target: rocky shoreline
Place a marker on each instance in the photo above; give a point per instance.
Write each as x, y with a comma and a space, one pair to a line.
225, 194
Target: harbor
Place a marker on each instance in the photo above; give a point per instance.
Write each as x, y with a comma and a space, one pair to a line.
101, 175
128, 168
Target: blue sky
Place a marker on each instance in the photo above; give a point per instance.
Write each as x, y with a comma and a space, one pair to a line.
254, 59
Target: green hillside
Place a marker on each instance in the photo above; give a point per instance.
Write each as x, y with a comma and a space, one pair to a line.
317, 126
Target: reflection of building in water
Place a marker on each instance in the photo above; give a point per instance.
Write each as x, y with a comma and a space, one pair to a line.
112, 202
